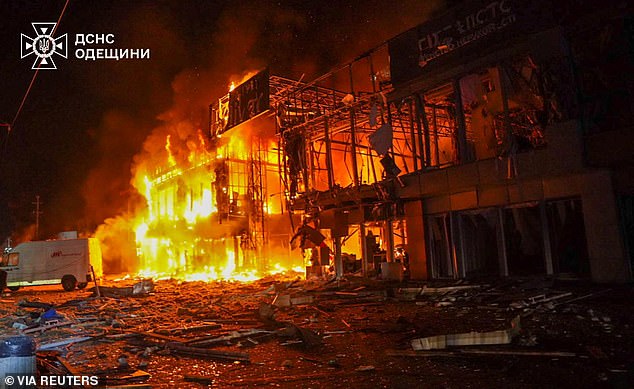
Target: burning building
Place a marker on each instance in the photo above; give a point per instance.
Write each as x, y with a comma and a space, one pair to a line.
459, 148
217, 210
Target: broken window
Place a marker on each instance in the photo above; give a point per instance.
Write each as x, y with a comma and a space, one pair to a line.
568, 237
479, 231
448, 128
499, 128
440, 246
440, 109
482, 103
523, 235
528, 113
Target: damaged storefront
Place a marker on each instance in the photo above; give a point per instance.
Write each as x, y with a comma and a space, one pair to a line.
460, 156
504, 189
449, 151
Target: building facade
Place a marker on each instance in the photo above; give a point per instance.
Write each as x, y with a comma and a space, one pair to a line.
490, 148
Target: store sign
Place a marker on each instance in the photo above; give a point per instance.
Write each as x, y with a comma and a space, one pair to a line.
249, 99
478, 21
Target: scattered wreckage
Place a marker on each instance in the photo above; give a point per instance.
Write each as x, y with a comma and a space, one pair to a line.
284, 330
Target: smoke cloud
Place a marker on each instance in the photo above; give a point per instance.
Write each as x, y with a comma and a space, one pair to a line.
189, 69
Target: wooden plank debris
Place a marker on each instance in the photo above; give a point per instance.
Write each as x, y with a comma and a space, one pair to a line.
321, 311
47, 326
35, 304
223, 339
350, 294
186, 330
60, 343
161, 337
203, 352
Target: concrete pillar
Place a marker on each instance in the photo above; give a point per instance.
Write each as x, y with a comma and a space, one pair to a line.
388, 232
416, 244
608, 260
365, 255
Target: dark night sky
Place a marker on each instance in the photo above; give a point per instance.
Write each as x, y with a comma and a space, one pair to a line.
74, 141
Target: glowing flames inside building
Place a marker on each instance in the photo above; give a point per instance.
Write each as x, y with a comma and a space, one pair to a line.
214, 207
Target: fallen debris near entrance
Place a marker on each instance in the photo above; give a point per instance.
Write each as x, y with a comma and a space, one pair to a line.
352, 331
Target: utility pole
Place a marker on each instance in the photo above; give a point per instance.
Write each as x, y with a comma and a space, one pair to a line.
37, 213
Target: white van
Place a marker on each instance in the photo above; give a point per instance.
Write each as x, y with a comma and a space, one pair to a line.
65, 261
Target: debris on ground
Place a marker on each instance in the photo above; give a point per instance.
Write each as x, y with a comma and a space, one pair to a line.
281, 331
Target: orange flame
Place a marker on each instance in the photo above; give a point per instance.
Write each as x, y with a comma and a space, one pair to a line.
200, 217
168, 148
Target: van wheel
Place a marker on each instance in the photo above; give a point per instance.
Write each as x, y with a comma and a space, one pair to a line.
14, 288
82, 285
69, 282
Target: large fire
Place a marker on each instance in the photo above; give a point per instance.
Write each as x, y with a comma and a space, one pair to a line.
208, 206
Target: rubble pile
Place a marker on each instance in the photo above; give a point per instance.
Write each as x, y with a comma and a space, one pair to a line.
288, 332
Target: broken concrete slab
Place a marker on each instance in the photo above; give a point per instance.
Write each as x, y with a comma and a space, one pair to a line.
468, 339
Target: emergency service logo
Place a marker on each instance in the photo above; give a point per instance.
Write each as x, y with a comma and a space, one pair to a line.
44, 46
